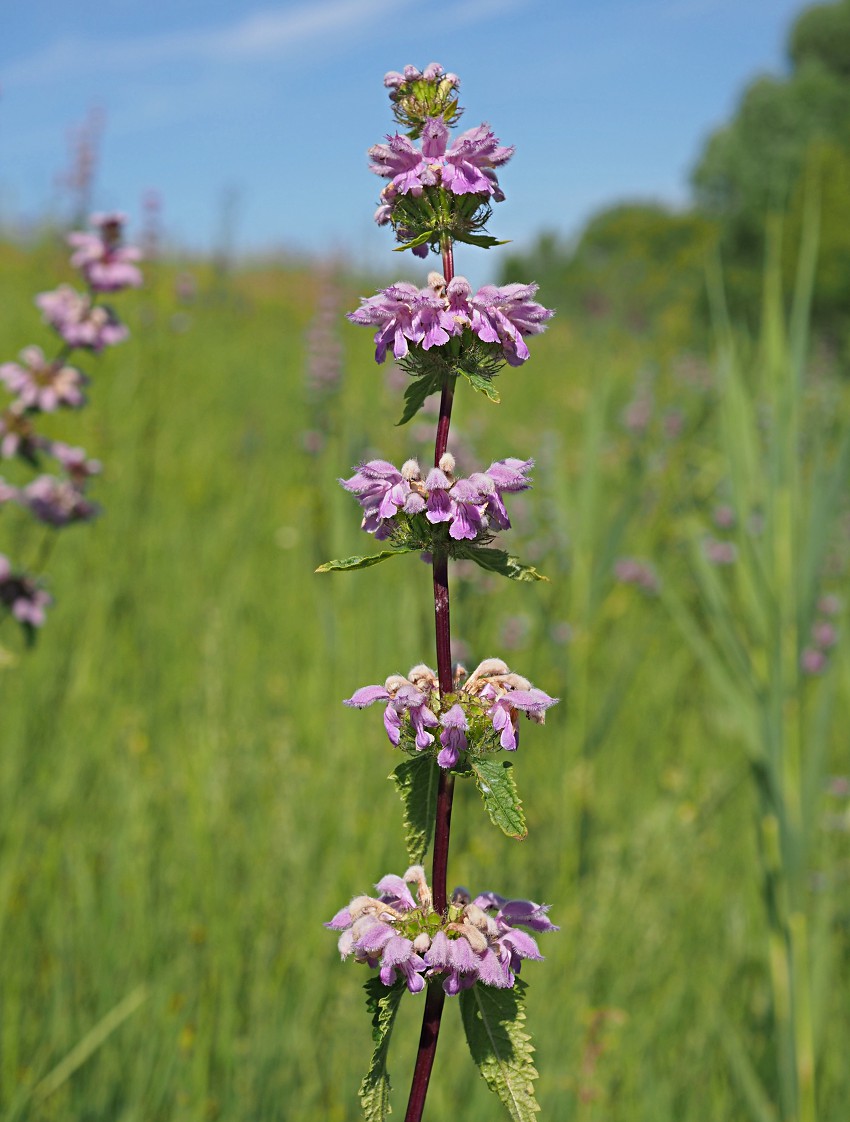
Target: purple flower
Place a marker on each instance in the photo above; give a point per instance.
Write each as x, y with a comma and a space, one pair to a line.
720, 552
42, 385
400, 161
638, 414
471, 506
74, 461
824, 635
58, 502
469, 163
458, 292
503, 475
629, 570
504, 315
453, 738
812, 661
464, 168
382, 491
21, 596
829, 605
17, 437
8, 493
492, 692
476, 946
78, 321
393, 311
403, 696
505, 695
373, 929
476, 941
405, 314
104, 262
430, 316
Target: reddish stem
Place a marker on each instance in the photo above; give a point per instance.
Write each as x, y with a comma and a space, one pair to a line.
427, 1047
445, 790
448, 261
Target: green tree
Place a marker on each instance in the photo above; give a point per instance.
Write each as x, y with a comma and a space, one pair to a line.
755, 165
640, 265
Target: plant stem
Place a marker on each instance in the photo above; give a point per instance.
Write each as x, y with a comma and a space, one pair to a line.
443, 423
448, 260
427, 1047
445, 790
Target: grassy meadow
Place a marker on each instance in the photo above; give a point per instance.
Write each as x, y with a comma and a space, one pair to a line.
184, 800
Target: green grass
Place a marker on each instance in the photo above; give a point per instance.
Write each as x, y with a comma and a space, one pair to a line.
184, 799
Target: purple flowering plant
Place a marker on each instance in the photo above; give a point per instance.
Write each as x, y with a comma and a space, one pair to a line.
39, 385
440, 192
449, 724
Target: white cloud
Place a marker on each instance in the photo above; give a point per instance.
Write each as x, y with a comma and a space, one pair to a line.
272, 33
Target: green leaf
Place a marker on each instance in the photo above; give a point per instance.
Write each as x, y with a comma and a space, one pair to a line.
416, 392
484, 241
382, 1002
482, 384
360, 562
416, 782
494, 1021
497, 561
495, 780
420, 240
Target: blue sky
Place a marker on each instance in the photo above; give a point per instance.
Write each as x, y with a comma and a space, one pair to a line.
277, 103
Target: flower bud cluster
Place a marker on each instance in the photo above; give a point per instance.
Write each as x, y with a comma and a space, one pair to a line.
431, 316
482, 715
417, 95
40, 385
474, 941
472, 507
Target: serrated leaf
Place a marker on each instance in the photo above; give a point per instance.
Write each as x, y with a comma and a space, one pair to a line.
483, 241
482, 384
494, 1021
415, 394
497, 561
416, 781
382, 1002
360, 562
495, 780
